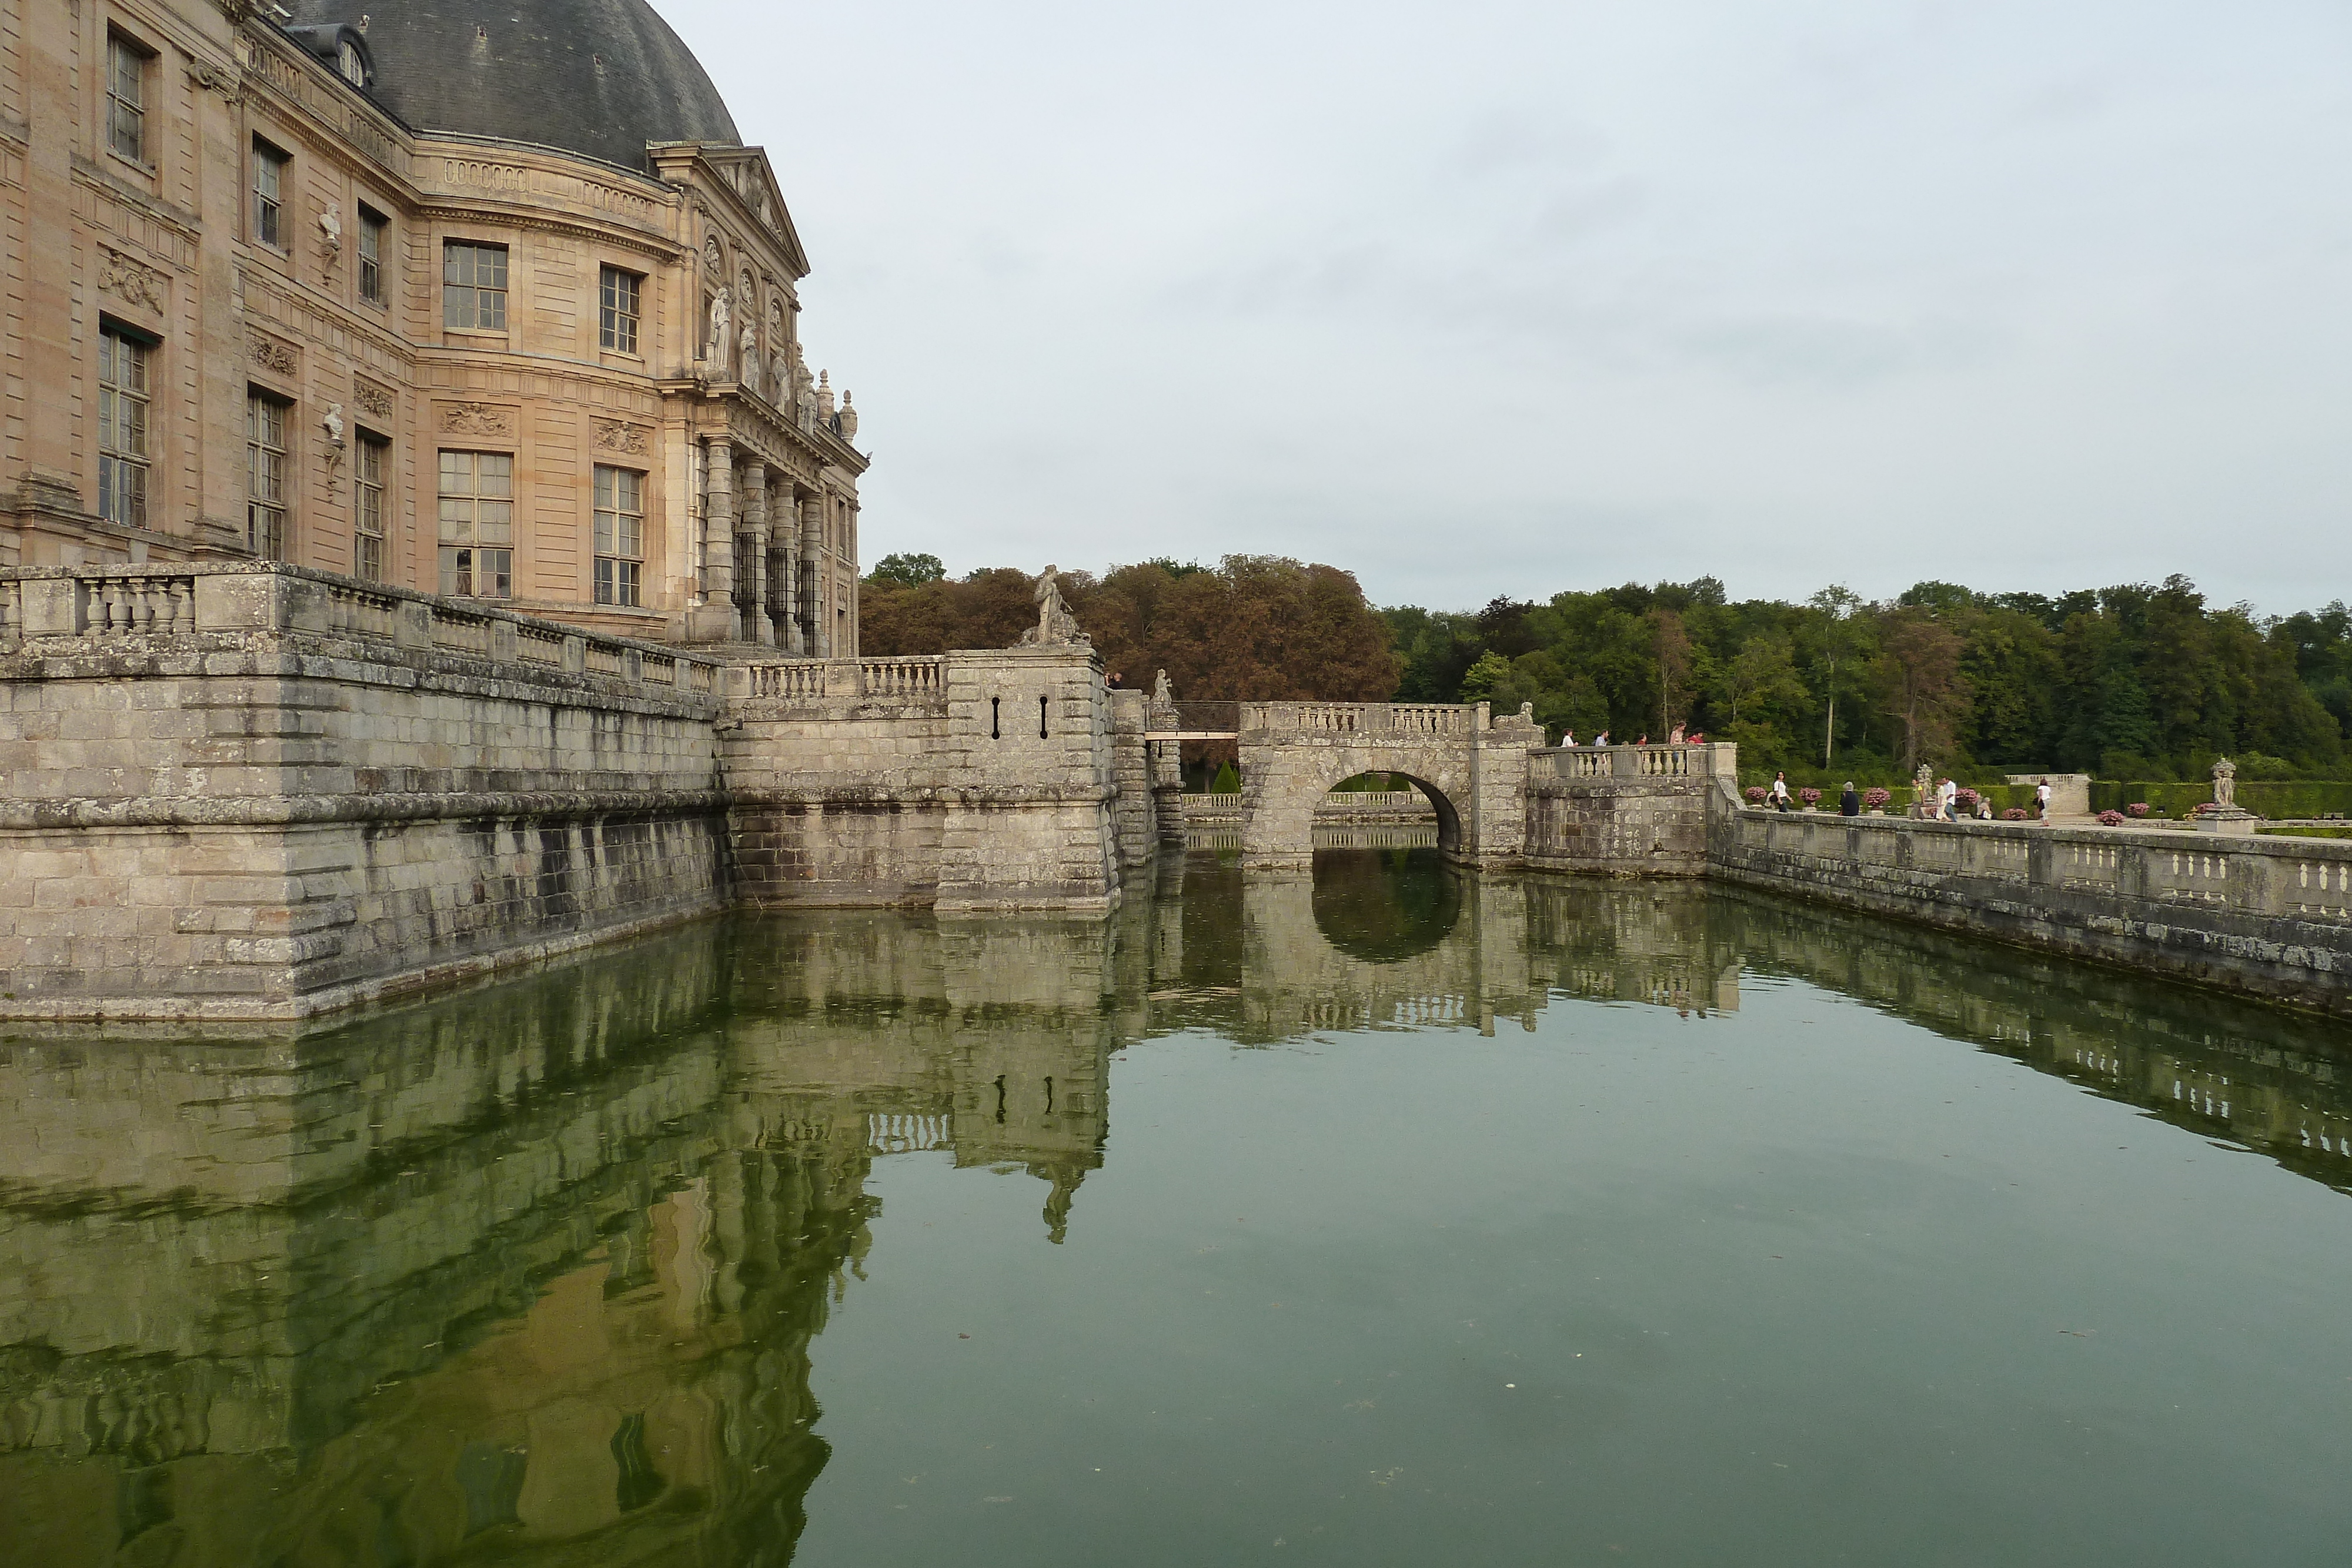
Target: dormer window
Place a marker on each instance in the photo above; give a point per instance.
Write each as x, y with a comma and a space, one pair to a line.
349, 60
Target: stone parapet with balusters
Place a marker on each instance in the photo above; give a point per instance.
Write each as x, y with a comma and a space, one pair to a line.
2271, 916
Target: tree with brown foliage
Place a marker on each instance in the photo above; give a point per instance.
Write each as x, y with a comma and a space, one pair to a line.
1266, 628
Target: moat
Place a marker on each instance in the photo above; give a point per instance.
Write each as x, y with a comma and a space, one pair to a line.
1387, 1214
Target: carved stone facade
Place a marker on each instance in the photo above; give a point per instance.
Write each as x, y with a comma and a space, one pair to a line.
206, 196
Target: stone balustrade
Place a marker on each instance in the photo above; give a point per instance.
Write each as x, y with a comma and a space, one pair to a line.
1354, 718
106, 606
817, 680
1706, 760
2270, 915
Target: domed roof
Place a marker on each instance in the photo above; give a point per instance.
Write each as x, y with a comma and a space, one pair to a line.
598, 77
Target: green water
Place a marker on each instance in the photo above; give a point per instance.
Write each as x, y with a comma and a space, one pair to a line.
1393, 1217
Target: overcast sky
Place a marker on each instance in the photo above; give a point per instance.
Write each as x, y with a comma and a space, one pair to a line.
1492, 297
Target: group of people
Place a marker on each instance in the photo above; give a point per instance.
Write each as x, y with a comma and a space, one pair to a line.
1568, 737
1947, 800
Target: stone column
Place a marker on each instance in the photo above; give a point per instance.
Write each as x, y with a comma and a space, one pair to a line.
757, 626
715, 622
786, 543
820, 642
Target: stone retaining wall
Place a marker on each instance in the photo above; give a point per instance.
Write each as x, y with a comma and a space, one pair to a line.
1626, 811
244, 792
2270, 917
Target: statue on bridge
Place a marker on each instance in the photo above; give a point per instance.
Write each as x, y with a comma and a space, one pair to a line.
1056, 627
1162, 695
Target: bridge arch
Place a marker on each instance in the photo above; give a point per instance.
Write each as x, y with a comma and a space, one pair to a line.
1471, 766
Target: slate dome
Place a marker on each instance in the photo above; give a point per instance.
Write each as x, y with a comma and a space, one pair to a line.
601, 78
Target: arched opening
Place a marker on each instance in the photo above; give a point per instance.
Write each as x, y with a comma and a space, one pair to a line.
1388, 796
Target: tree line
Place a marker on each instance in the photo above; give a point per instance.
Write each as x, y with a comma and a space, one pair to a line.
2133, 682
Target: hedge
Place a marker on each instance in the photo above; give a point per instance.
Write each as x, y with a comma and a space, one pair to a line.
2272, 797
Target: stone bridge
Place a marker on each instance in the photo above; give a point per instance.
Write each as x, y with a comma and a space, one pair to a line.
1472, 765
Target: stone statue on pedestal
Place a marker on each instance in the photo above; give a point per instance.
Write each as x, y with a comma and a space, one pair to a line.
1056, 627
2225, 782
720, 340
1162, 695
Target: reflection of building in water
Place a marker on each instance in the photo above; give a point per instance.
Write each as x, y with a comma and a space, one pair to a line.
2217, 1067
539, 1266
544, 1260
1387, 939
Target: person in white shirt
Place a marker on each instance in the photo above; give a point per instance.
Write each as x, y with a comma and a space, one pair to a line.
1780, 791
1568, 737
1947, 797
2042, 800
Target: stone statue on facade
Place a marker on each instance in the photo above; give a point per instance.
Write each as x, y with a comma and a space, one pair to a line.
750, 348
1056, 627
720, 340
780, 373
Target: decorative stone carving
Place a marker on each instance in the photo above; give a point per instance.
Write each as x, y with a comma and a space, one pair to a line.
804, 390
374, 398
331, 236
825, 397
751, 351
477, 419
779, 374
2225, 782
712, 261
848, 420
716, 346
1056, 627
618, 435
130, 281
225, 80
1162, 695
333, 422
272, 355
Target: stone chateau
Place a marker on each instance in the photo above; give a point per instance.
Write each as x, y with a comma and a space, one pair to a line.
495, 307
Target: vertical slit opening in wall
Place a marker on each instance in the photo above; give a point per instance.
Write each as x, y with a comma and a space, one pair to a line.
1041, 718
994, 732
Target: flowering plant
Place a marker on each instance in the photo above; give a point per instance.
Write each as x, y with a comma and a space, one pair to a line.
1968, 798
1810, 797
2111, 819
1875, 799
2015, 814
2138, 808
1756, 793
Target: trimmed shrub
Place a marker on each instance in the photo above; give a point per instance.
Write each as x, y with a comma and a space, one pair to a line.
1227, 781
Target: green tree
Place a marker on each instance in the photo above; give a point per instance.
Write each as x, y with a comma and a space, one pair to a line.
907, 571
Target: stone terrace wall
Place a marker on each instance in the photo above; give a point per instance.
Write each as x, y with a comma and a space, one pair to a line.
2270, 916
1626, 811
969, 781
246, 791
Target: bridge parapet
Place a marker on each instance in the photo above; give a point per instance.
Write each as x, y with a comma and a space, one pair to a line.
1358, 718
1714, 758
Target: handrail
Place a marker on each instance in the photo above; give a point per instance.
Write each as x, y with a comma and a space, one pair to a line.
106, 603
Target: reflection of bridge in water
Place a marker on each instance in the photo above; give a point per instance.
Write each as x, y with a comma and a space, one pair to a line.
547, 1257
